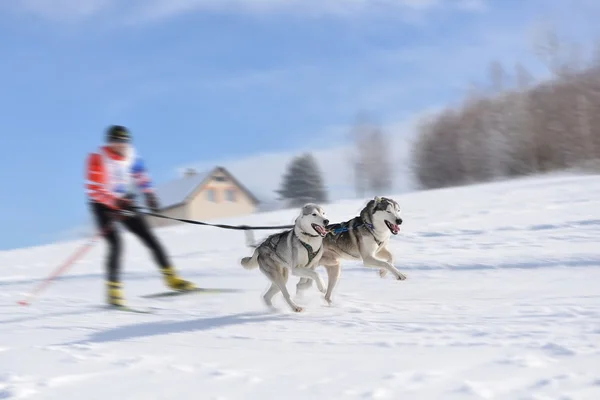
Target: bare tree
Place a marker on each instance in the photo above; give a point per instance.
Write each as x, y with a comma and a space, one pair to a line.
523, 77
508, 132
548, 48
370, 159
356, 158
595, 59
498, 77
379, 166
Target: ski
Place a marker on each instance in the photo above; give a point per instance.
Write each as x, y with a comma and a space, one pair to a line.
173, 293
132, 309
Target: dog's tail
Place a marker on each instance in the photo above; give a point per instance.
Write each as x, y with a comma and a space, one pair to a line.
250, 262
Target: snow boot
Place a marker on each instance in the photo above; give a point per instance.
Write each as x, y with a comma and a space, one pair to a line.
115, 294
173, 281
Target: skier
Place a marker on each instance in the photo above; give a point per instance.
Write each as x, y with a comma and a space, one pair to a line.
112, 173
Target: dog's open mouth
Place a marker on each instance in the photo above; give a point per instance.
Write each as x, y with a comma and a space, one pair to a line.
393, 227
319, 229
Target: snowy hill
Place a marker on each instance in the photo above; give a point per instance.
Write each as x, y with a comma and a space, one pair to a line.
502, 301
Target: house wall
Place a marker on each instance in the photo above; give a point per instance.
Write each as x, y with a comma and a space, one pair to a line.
213, 200
174, 212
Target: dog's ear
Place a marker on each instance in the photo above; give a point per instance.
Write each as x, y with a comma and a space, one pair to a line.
382, 203
309, 208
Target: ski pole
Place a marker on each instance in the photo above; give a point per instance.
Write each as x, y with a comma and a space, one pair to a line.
61, 269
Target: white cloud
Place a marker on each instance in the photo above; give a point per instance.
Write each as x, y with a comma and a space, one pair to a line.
152, 10
472, 5
64, 10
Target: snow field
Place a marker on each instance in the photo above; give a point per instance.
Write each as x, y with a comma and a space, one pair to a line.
502, 301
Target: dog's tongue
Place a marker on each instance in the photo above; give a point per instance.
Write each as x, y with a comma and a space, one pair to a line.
396, 228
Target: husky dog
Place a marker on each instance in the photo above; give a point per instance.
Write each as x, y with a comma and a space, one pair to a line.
365, 238
298, 250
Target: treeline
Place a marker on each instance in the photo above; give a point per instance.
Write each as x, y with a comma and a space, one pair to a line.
521, 129
369, 163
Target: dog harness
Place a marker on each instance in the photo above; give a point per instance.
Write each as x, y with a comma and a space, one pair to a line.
354, 223
273, 240
311, 253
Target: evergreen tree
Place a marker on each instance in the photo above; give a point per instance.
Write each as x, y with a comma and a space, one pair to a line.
303, 182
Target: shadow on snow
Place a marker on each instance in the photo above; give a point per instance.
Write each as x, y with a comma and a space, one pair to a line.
137, 331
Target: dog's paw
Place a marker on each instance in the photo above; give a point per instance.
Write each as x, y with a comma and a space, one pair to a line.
401, 277
297, 309
383, 273
267, 302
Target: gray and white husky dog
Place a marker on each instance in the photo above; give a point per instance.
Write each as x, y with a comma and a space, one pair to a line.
365, 238
297, 250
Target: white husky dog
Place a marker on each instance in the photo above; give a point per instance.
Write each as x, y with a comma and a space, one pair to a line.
298, 250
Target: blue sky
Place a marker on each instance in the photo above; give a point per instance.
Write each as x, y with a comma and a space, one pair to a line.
246, 84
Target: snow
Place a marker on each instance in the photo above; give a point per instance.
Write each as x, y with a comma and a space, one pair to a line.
502, 301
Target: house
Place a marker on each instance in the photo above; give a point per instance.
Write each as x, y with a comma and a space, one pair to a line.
203, 196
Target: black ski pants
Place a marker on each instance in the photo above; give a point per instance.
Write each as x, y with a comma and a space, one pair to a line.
105, 221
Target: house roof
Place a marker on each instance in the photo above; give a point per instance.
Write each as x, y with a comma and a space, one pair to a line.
178, 191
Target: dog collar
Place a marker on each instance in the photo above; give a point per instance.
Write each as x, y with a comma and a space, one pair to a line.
371, 228
308, 234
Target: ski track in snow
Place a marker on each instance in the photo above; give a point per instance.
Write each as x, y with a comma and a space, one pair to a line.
502, 301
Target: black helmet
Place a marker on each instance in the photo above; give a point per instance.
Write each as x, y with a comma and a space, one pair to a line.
117, 133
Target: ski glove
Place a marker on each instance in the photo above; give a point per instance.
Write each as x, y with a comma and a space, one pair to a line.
125, 206
152, 202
